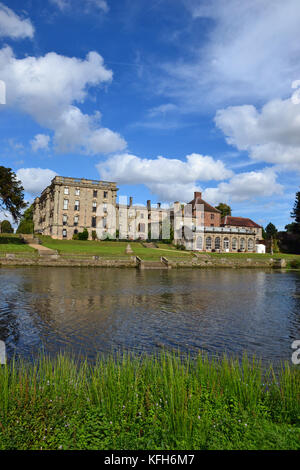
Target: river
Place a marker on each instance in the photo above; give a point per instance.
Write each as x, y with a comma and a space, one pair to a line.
90, 311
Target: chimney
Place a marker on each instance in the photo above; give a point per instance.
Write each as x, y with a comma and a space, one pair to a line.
130, 201
149, 205
197, 194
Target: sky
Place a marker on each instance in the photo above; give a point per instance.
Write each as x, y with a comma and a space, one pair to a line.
165, 97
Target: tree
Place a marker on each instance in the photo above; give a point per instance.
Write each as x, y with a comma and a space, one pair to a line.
26, 223
83, 235
11, 193
295, 214
224, 209
6, 227
271, 231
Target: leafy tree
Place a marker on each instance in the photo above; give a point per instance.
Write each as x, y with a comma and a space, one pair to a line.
11, 193
94, 235
83, 235
26, 223
271, 231
295, 214
6, 227
224, 209
291, 228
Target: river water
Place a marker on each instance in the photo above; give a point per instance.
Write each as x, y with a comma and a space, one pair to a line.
91, 310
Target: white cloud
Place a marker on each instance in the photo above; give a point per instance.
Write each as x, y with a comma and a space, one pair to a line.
271, 135
163, 109
40, 141
64, 5
245, 187
169, 178
251, 51
48, 87
35, 180
12, 26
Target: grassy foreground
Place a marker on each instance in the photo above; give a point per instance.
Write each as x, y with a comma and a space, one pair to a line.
153, 402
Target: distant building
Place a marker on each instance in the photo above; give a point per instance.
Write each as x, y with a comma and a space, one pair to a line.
203, 229
68, 205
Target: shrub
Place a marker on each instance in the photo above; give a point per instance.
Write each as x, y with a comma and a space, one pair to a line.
94, 235
83, 235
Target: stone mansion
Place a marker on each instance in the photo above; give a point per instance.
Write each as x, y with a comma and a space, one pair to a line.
68, 205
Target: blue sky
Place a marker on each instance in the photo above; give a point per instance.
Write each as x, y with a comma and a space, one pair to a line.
164, 97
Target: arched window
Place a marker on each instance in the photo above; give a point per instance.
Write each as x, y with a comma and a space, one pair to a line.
250, 244
199, 243
208, 243
217, 243
226, 243
234, 243
242, 244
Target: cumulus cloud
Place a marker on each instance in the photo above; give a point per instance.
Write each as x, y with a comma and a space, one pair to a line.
251, 51
13, 26
245, 187
51, 98
271, 135
169, 178
40, 142
35, 180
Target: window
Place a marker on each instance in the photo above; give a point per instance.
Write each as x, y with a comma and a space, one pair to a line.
208, 243
66, 191
234, 243
226, 243
95, 193
65, 219
141, 228
94, 222
105, 208
212, 216
64, 233
250, 245
142, 215
76, 219
217, 243
199, 243
104, 223
105, 193
212, 225
76, 207
77, 192
66, 204
75, 231
242, 244
94, 206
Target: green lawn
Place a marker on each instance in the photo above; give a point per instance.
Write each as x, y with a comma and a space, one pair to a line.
12, 243
149, 402
254, 255
111, 249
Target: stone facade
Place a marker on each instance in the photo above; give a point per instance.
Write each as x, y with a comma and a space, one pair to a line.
68, 205
201, 228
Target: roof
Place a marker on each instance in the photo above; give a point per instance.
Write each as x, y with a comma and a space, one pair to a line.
238, 222
207, 207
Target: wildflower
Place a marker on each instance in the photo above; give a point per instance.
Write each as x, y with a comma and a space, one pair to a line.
199, 417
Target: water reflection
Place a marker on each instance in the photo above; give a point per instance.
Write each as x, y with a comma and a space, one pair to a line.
92, 310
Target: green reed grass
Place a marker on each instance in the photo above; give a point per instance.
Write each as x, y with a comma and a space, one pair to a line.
163, 401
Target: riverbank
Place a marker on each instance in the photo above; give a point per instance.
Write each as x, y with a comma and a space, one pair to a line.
162, 262
150, 402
